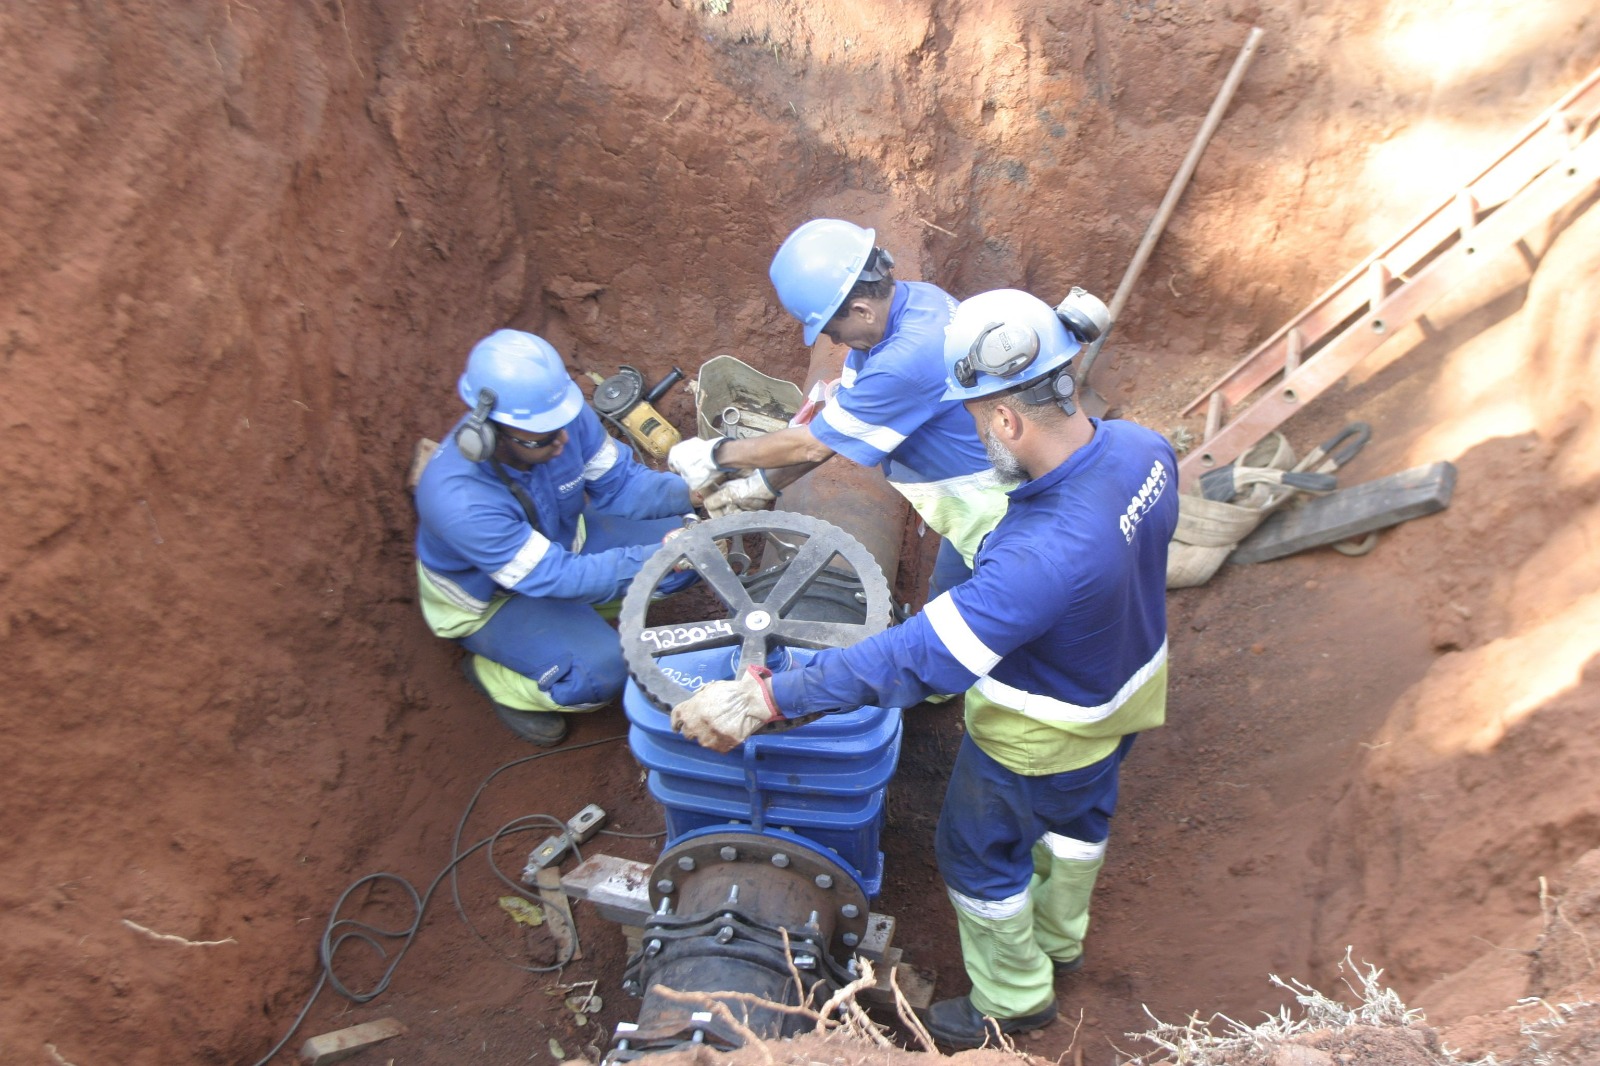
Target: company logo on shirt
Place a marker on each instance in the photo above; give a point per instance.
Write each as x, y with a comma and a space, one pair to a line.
567, 486
1143, 500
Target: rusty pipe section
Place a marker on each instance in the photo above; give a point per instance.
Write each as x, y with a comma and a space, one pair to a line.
856, 499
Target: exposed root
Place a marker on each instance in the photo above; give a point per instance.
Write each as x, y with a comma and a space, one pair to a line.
55, 1056
169, 938
908, 1017
720, 1009
1206, 1043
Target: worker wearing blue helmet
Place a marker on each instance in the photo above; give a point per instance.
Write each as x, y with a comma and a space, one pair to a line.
888, 411
529, 517
1060, 641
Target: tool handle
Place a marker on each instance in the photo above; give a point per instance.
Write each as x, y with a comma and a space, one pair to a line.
659, 389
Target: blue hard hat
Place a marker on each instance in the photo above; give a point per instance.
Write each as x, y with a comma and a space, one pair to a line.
1000, 339
815, 268
532, 388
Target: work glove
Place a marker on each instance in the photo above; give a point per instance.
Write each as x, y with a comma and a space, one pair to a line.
672, 535
744, 494
695, 461
723, 713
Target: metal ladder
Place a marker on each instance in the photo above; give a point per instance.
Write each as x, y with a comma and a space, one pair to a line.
1551, 166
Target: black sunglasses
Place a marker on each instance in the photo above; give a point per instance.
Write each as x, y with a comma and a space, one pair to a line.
536, 443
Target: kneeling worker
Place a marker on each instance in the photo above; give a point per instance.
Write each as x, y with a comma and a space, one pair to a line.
529, 517
1061, 634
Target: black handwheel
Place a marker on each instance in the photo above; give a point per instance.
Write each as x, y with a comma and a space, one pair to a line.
757, 626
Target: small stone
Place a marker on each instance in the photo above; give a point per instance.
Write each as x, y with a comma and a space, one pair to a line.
1311, 584
1257, 648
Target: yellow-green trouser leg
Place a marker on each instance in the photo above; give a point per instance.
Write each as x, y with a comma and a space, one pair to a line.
511, 689
1010, 975
1061, 888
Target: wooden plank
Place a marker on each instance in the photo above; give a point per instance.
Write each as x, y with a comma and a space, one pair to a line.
1350, 513
880, 936
619, 889
565, 932
421, 452
335, 1047
915, 985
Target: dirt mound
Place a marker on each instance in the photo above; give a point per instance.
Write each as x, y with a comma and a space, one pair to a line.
246, 247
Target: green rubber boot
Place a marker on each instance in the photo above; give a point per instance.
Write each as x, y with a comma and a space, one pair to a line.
1011, 977
1060, 890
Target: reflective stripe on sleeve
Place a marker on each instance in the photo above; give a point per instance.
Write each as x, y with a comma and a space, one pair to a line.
1073, 850
523, 562
1048, 709
997, 909
958, 638
604, 458
881, 438
453, 593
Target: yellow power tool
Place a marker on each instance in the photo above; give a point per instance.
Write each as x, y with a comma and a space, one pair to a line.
622, 399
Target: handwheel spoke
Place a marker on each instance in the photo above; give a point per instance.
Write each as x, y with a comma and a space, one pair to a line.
715, 571
688, 636
753, 652
800, 571
797, 633
755, 626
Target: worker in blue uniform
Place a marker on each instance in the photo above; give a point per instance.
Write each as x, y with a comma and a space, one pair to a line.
889, 409
530, 516
1060, 641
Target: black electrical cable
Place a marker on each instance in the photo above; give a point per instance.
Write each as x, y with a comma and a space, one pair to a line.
340, 930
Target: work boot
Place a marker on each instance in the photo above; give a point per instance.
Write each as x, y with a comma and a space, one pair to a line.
1063, 967
544, 729
957, 1023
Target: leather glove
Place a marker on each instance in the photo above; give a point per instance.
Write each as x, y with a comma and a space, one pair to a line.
744, 494
673, 534
723, 713
695, 461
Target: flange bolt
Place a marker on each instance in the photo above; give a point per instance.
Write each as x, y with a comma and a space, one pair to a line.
665, 886
850, 940
780, 860
824, 881
725, 934
849, 910
729, 853
686, 863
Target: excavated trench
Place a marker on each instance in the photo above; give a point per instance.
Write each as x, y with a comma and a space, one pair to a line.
246, 250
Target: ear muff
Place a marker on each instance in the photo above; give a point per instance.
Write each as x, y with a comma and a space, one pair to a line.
1001, 350
476, 439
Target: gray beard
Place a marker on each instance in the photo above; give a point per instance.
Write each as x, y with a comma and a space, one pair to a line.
1005, 464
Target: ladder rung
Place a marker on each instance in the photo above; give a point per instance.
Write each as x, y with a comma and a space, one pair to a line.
1214, 415
1378, 278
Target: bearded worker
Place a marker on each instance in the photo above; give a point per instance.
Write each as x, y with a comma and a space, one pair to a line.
1060, 641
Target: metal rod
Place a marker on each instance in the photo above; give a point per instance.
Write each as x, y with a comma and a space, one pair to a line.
1174, 191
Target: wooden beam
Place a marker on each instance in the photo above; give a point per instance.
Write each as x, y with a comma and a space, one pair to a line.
337, 1046
1350, 512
